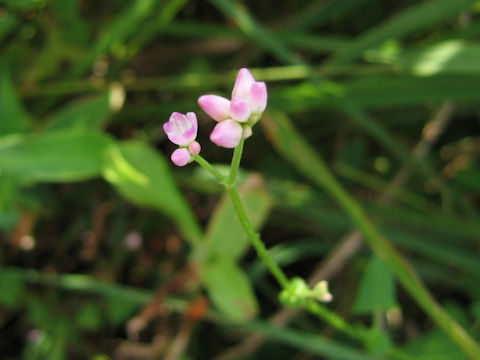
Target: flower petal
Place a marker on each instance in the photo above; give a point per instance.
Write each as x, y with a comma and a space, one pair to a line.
192, 119
242, 84
176, 116
173, 135
239, 109
180, 157
227, 134
181, 129
215, 106
191, 133
258, 97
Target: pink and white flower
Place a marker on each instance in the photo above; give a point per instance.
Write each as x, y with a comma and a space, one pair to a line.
249, 100
182, 130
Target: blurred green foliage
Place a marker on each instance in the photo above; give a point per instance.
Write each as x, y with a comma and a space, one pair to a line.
105, 245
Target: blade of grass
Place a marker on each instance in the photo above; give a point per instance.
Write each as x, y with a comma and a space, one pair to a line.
122, 26
15, 118
446, 57
315, 344
317, 13
374, 183
151, 28
255, 31
300, 40
314, 42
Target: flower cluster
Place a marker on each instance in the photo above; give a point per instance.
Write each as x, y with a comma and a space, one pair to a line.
235, 118
182, 130
297, 292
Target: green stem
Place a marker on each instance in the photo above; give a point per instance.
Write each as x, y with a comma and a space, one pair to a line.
257, 243
334, 320
237, 156
207, 166
241, 213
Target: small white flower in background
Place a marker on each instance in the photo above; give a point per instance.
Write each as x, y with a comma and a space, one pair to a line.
133, 240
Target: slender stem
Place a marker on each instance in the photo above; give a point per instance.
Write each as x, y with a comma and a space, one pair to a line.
241, 213
207, 166
255, 239
334, 320
237, 156
245, 221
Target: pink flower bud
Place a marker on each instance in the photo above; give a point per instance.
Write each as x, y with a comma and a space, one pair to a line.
227, 134
181, 157
194, 148
243, 83
215, 106
181, 129
258, 97
239, 109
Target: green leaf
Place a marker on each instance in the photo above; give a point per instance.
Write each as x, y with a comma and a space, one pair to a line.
75, 28
14, 117
377, 289
469, 178
142, 176
119, 309
475, 310
89, 317
54, 157
354, 152
229, 288
378, 342
9, 195
225, 235
434, 345
11, 286
87, 114
446, 57
378, 91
